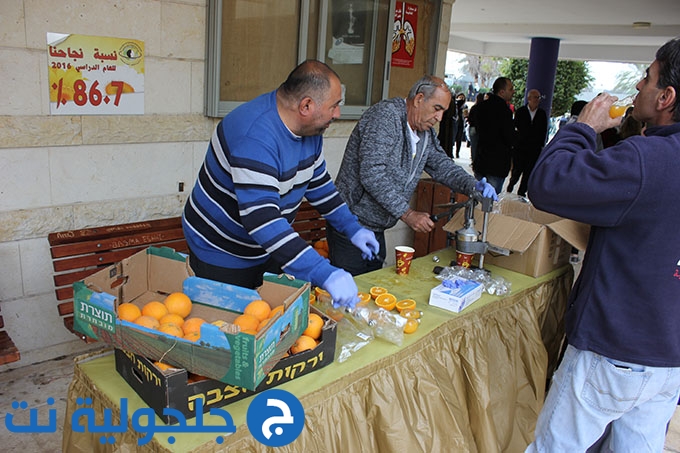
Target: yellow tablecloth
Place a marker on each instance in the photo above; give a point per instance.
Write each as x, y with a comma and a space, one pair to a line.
472, 381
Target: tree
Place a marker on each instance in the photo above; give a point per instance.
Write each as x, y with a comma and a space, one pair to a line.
626, 80
482, 69
570, 79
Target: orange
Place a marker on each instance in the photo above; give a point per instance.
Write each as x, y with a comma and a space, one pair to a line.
192, 336
171, 329
375, 291
386, 300
314, 326
410, 313
364, 298
304, 343
249, 331
192, 325
129, 312
172, 318
258, 308
148, 321
405, 304
154, 309
178, 303
163, 366
321, 244
322, 252
263, 324
246, 322
411, 325
312, 298
275, 310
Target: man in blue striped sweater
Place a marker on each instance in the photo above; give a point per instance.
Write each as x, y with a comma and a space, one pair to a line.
263, 158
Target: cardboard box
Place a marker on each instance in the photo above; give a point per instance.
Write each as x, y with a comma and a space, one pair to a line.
539, 242
177, 389
222, 353
455, 294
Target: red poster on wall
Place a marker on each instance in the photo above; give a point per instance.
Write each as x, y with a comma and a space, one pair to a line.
404, 35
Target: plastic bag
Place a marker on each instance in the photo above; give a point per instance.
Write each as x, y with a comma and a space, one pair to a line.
493, 284
351, 335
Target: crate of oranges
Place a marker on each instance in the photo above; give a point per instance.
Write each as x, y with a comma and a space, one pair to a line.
150, 304
165, 385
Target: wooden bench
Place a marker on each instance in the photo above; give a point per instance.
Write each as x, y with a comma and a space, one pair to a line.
8, 351
77, 254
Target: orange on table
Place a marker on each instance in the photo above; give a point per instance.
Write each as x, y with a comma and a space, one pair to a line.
314, 326
364, 298
312, 298
411, 313
172, 318
246, 322
319, 291
375, 291
192, 325
411, 325
304, 343
171, 329
321, 244
154, 309
178, 303
192, 336
258, 308
275, 310
386, 300
405, 304
147, 321
129, 312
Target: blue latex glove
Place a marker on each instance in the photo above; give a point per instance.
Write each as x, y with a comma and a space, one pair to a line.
487, 189
340, 284
365, 241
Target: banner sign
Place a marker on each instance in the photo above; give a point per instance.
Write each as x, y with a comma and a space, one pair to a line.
404, 35
94, 75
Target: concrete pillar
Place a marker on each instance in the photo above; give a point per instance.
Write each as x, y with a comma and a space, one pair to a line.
542, 69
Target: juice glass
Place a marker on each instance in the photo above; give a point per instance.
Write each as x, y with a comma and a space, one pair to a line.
619, 107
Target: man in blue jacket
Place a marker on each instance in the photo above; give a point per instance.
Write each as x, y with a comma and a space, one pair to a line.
263, 158
622, 363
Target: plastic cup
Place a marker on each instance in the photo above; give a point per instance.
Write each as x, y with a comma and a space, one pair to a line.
619, 107
464, 259
404, 257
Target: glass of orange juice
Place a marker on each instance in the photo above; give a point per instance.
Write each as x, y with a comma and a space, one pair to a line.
619, 107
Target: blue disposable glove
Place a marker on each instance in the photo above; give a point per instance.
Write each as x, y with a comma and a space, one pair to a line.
487, 189
365, 241
340, 285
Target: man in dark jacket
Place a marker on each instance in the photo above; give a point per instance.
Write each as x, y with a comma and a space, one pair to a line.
531, 123
622, 362
496, 133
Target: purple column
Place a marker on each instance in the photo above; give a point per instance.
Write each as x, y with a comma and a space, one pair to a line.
542, 69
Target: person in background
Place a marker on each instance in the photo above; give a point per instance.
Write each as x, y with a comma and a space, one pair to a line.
531, 124
472, 125
496, 132
263, 158
447, 130
622, 362
459, 118
386, 154
630, 126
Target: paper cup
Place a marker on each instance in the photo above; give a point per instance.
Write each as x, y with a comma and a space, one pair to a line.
404, 258
464, 259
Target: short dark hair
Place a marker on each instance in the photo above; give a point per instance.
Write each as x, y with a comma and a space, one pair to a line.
577, 106
310, 78
501, 83
668, 57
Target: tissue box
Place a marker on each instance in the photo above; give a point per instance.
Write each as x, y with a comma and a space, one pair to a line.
455, 294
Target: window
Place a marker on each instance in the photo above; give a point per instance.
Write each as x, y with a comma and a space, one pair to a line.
254, 44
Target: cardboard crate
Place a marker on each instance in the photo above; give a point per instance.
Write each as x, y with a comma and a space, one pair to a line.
177, 389
222, 353
456, 295
539, 242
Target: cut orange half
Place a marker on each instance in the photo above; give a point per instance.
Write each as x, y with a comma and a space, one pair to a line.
375, 291
364, 298
406, 304
386, 301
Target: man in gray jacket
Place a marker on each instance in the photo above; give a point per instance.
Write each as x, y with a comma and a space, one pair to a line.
389, 148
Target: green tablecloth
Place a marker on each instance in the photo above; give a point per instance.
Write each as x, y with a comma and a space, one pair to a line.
472, 381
